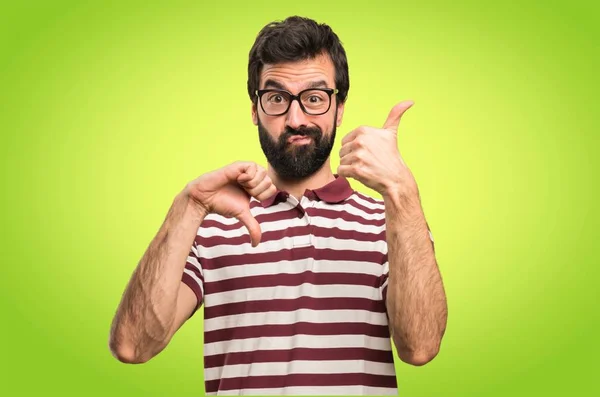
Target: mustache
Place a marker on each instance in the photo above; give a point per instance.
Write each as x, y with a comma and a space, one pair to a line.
312, 132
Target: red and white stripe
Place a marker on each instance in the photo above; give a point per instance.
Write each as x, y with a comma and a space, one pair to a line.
301, 313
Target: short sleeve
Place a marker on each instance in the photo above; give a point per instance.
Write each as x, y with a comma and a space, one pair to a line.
383, 281
431, 237
193, 276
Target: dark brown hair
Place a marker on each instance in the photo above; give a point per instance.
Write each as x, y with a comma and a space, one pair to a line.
297, 39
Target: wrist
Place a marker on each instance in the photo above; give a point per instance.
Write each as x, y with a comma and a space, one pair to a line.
404, 202
401, 192
193, 207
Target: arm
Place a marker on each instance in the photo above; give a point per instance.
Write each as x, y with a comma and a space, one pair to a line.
415, 299
156, 303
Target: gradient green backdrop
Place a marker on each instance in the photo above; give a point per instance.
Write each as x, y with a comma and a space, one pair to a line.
108, 110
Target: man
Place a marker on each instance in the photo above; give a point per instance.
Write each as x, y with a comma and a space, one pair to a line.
303, 280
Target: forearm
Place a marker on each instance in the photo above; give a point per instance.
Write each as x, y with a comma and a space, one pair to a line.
416, 300
144, 320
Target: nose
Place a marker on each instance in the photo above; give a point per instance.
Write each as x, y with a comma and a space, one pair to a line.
295, 117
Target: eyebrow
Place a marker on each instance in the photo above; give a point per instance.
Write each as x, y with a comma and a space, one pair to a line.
277, 85
317, 84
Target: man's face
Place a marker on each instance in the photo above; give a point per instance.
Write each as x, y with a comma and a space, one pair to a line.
297, 144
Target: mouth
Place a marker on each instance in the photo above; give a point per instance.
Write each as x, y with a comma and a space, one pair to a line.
299, 140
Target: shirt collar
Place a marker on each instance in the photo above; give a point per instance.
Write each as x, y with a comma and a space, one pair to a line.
334, 192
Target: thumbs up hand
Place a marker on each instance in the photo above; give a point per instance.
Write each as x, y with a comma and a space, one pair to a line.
371, 156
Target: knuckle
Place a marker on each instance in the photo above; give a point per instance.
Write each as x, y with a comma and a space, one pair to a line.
251, 184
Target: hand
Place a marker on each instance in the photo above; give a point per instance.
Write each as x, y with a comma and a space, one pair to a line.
227, 192
370, 155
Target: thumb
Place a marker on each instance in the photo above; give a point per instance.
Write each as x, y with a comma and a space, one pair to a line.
252, 225
393, 120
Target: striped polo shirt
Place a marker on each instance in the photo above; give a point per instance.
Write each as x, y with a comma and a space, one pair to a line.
303, 313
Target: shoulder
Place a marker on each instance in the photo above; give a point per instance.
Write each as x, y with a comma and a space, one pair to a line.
365, 203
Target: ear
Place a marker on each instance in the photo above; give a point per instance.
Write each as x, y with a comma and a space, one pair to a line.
340, 114
254, 114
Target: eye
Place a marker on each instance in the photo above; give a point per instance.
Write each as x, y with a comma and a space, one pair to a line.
315, 99
275, 98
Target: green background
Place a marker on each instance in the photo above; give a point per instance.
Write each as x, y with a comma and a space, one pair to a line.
108, 110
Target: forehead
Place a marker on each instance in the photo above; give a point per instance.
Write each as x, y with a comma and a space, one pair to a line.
299, 74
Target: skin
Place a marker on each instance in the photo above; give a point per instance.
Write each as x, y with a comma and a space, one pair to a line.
156, 303
416, 301
295, 77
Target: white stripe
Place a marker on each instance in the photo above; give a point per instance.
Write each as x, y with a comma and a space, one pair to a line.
240, 231
194, 250
259, 210
385, 283
293, 267
385, 271
346, 225
314, 391
281, 207
292, 342
291, 317
300, 367
195, 278
361, 199
386, 268
194, 261
351, 209
295, 292
286, 206
288, 243
318, 221
221, 219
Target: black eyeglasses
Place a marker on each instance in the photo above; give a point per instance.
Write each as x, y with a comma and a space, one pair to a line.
313, 101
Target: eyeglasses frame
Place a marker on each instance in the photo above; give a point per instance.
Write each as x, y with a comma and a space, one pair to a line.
329, 91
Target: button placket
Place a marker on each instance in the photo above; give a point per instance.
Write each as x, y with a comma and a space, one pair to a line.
300, 220
309, 205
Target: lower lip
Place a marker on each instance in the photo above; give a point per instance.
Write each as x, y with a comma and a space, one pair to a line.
299, 140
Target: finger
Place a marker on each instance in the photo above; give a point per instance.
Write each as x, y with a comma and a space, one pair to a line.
346, 171
262, 190
250, 183
346, 149
243, 178
251, 170
240, 169
350, 136
393, 120
349, 159
252, 225
268, 192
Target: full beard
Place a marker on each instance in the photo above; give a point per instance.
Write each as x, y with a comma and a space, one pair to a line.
294, 162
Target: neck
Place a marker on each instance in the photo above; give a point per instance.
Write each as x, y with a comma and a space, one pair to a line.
297, 188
